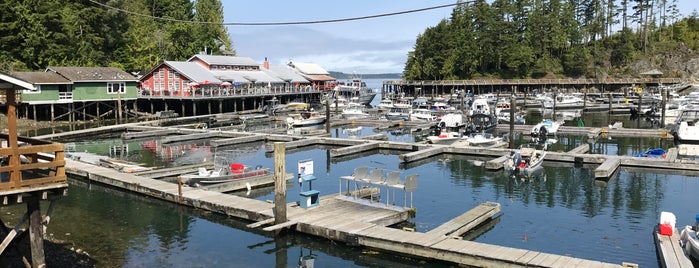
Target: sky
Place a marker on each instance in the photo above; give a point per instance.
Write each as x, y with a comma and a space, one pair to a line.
377, 45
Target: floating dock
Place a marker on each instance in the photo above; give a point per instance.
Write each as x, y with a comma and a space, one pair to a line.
342, 218
670, 251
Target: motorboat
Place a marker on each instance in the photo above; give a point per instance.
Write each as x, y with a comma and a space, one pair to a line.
482, 139
481, 123
545, 128
354, 111
689, 240
423, 115
448, 130
504, 117
385, 104
686, 127
235, 171
399, 113
567, 101
525, 160
305, 118
479, 106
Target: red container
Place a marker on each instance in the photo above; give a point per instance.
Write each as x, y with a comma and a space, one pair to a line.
666, 229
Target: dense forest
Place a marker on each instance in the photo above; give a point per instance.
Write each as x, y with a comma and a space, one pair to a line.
555, 38
35, 34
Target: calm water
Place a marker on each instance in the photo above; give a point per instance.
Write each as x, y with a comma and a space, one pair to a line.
562, 211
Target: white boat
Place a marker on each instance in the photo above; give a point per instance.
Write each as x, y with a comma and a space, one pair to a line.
689, 240
566, 101
482, 139
306, 118
354, 111
399, 113
545, 128
235, 171
526, 160
479, 106
686, 127
448, 129
385, 104
422, 115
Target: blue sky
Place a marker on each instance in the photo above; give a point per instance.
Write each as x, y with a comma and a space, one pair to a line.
378, 45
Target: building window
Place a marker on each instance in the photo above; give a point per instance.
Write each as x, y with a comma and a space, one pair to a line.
116, 87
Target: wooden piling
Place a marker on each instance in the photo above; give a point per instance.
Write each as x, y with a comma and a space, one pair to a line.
36, 232
279, 183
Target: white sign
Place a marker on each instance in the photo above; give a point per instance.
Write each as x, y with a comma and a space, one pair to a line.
306, 167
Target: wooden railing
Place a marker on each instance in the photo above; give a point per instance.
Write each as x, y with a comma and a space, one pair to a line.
33, 163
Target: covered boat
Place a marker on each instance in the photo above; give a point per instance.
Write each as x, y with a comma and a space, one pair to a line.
652, 153
686, 128
305, 118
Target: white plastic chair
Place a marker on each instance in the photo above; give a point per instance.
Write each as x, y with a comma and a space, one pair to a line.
393, 180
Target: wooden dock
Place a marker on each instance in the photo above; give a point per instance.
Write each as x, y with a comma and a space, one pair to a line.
342, 218
670, 251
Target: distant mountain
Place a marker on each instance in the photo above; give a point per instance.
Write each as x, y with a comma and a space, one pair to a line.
345, 76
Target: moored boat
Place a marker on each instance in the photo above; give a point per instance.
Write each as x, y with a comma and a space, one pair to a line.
686, 127
235, 171
354, 111
526, 160
689, 240
482, 139
306, 118
545, 128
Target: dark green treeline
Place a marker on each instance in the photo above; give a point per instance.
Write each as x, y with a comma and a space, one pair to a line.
35, 34
537, 38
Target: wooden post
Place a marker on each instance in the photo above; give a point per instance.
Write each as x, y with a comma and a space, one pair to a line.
327, 115
16, 172
609, 114
36, 236
663, 93
279, 182
512, 118
179, 188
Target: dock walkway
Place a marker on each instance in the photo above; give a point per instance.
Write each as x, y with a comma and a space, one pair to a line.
353, 221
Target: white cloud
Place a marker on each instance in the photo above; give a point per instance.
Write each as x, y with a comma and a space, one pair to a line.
333, 53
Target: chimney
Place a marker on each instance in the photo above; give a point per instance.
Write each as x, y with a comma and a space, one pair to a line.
266, 64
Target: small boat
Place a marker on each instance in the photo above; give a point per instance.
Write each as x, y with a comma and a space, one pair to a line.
545, 128
305, 118
652, 153
482, 139
399, 113
448, 130
526, 160
356, 89
354, 111
423, 115
235, 171
686, 127
689, 240
385, 104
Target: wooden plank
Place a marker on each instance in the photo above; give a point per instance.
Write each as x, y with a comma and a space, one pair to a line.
670, 251
467, 221
497, 163
279, 226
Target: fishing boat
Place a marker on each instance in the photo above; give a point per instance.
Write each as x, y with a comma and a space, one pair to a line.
305, 118
481, 123
526, 160
385, 104
545, 128
235, 171
686, 127
652, 153
354, 111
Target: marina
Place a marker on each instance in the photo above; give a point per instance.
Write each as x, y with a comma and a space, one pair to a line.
581, 152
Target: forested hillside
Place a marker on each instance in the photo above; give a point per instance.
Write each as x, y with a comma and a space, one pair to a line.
35, 34
557, 38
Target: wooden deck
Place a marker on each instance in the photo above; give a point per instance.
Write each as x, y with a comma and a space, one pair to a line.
347, 219
670, 251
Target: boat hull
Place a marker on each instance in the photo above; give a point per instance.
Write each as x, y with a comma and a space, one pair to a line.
690, 243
